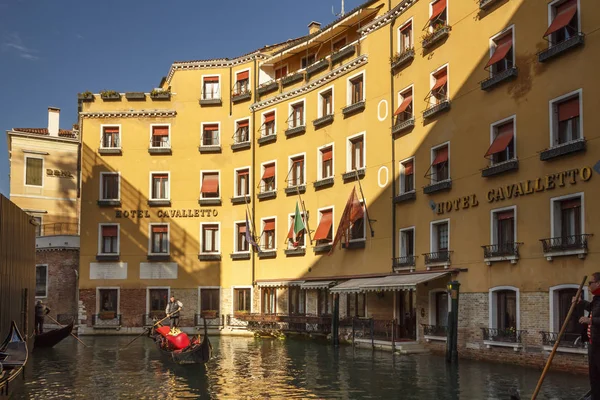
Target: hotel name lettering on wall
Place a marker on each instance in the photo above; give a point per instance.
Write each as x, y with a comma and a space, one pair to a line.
59, 173
182, 213
457, 204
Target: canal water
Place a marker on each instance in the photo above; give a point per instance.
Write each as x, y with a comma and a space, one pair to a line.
248, 368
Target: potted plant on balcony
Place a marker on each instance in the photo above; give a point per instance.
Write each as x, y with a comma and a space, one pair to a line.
107, 315
400, 56
209, 314
160, 94
86, 96
110, 95
431, 35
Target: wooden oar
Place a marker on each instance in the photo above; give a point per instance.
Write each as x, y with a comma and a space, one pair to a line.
72, 334
556, 343
145, 329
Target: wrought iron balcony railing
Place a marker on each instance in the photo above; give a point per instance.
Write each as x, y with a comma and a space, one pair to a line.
405, 261
435, 330
501, 250
106, 319
437, 257
565, 243
213, 320
508, 335
569, 340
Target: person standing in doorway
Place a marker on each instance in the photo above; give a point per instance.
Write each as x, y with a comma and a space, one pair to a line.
593, 324
40, 312
173, 309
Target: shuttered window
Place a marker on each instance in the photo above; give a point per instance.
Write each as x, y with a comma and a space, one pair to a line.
33, 171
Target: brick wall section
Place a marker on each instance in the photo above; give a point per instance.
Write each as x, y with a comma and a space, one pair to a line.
535, 316
88, 298
226, 301
132, 307
63, 267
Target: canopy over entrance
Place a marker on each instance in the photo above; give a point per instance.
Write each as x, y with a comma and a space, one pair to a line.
391, 282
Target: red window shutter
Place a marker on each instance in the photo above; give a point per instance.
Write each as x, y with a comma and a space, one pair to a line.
440, 79
269, 171
441, 155
243, 124
160, 229
406, 28
503, 45
211, 79
408, 168
160, 131
243, 75
405, 103
505, 215
280, 72
243, 173
327, 154
160, 176
210, 183
568, 109
324, 225
437, 8
111, 129
564, 14
270, 117
211, 128
570, 203
502, 140
269, 225
109, 231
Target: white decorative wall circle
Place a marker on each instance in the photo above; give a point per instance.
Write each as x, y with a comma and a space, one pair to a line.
385, 104
387, 176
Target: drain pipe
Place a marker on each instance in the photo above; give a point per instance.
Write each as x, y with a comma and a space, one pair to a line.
253, 187
392, 95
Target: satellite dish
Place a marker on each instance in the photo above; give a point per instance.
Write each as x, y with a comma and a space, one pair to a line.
432, 205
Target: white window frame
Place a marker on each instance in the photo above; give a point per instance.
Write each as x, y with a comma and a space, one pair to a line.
553, 297
554, 202
365, 222
551, 15
42, 172
414, 249
219, 312
148, 295
218, 241
262, 172
168, 137
290, 162
150, 225
152, 173
235, 233
494, 126
320, 215
429, 27
235, 127
100, 253
235, 176
100, 194
290, 110
349, 86
433, 151
412, 34
410, 87
233, 287
262, 230
118, 289
46, 291
432, 80
493, 312
349, 151
553, 117
262, 122
211, 172
432, 308
320, 176
290, 216
433, 242
493, 45
320, 101
219, 94
102, 126
401, 169
218, 123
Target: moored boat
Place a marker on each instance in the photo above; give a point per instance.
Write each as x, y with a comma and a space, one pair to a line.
13, 357
53, 337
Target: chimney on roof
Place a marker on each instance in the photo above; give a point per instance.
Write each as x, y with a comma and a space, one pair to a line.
53, 121
314, 27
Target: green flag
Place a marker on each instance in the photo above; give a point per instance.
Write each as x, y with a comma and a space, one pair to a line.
298, 225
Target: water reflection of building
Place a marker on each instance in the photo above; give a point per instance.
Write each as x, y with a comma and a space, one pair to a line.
484, 182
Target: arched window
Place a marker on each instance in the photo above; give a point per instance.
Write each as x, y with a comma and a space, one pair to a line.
504, 308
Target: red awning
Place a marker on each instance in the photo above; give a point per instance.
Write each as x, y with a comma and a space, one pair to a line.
211, 127
324, 226
269, 172
504, 44
327, 154
109, 231
568, 109
243, 75
243, 172
242, 228
160, 229
570, 203
502, 140
440, 80
564, 14
211, 79
269, 225
406, 27
408, 168
505, 215
404, 105
243, 124
210, 183
111, 129
270, 117
437, 8
441, 156
160, 131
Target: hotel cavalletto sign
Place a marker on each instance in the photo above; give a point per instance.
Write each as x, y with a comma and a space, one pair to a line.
523, 188
167, 213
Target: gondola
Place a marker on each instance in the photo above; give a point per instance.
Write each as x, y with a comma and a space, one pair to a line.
197, 352
13, 357
53, 337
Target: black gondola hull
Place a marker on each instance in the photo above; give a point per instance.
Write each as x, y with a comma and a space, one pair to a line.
194, 354
13, 357
53, 337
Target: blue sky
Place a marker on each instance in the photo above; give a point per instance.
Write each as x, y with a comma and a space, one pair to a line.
51, 50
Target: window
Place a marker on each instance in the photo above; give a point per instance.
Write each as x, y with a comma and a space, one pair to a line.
210, 300
211, 88
560, 303
407, 176
503, 144
504, 230
159, 239
440, 167
404, 112
324, 232
268, 236
325, 162
439, 15
210, 186
268, 183
210, 135
242, 131
356, 305
268, 124
566, 122
108, 300
406, 37
160, 186
356, 147
41, 281
242, 182
567, 220
297, 300
565, 21
502, 53
242, 300
281, 72
242, 83
506, 309
210, 238
441, 308
357, 230
326, 103
339, 44
356, 89
296, 175
307, 61
111, 137
297, 115
109, 239
241, 244
160, 136
157, 301
33, 171
439, 88
38, 227
109, 184
300, 237
440, 237
269, 300
407, 242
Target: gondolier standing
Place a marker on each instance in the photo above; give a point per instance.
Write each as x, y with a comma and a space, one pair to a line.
173, 308
593, 323
40, 312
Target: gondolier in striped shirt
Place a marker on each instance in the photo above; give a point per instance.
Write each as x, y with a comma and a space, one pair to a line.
593, 323
173, 309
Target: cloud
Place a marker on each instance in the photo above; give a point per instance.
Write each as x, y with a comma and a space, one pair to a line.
14, 43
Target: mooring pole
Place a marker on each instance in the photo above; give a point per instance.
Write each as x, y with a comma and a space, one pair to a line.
335, 320
452, 336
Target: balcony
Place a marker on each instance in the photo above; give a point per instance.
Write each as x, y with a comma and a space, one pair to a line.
316, 67
110, 95
300, 251
326, 120
498, 78
159, 202
214, 201
272, 138
354, 108
405, 262
110, 150
135, 96
405, 197
106, 320
402, 126
267, 253
354, 175
292, 78
438, 259
435, 332
440, 33
212, 318
486, 4
267, 87
403, 58
342, 54
158, 146
240, 256
509, 337
292, 189
442, 105
322, 248
107, 257
569, 342
267, 194
563, 149
210, 100
209, 257
500, 168
501, 252
355, 244
562, 47
240, 95
295, 131
160, 95
324, 183
566, 246
241, 199
438, 186
210, 144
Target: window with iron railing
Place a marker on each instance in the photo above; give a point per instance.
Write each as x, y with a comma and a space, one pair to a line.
108, 300
242, 132
565, 22
404, 112
407, 177
502, 58
324, 232
566, 120
406, 37
296, 118
268, 124
439, 90
268, 182
407, 242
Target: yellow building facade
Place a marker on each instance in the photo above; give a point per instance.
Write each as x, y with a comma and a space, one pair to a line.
459, 126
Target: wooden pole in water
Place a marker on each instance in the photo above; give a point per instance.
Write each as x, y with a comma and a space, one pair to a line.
557, 342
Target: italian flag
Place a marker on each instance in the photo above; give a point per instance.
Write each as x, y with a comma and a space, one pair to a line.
298, 225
